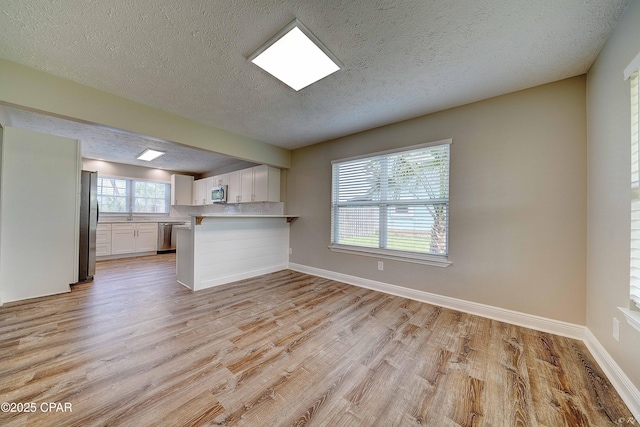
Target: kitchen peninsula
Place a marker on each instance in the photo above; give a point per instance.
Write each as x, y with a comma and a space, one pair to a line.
219, 248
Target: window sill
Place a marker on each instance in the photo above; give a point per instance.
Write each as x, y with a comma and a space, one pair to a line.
434, 260
633, 317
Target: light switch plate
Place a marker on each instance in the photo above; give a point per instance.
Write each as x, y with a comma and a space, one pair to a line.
616, 329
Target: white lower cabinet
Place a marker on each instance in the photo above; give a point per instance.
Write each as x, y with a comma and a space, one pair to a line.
147, 237
103, 240
123, 239
133, 237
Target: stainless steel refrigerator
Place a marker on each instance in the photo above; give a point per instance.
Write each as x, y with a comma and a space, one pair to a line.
88, 225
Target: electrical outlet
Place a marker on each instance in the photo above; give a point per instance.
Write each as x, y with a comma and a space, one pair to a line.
616, 329
380, 265
290, 251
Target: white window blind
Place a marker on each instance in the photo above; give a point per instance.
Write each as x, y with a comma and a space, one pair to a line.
635, 191
121, 195
397, 201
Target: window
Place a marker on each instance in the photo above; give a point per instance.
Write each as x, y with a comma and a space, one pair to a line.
121, 195
635, 192
393, 204
632, 311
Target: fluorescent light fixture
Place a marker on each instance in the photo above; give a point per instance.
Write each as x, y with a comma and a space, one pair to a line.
150, 154
296, 57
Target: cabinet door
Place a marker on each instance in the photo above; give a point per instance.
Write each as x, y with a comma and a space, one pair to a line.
103, 249
147, 237
196, 197
123, 239
181, 189
234, 189
266, 184
246, 185
261, 183
208, 186
221, 179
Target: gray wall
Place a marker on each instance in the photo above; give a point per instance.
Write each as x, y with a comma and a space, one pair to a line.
518, 202
609, 138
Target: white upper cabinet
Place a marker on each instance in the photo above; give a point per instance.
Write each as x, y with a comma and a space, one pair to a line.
208, 186
266, 184
221, 180
257, 184
198, 197
202, 191
181, 190
246, 185
234, 190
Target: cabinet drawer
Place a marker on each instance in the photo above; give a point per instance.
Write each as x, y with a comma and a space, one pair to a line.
103, 227
103, 249
103, 236
147, 225
123, 227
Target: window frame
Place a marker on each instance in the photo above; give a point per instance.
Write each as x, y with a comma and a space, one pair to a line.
632, 74
394, 254
130, 197
634, 285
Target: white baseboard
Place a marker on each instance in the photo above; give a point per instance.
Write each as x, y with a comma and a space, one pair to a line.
531, 321
129, 255
621, 382
184, 284
218, 281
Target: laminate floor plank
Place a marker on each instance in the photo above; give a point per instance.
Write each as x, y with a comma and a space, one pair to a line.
284, 349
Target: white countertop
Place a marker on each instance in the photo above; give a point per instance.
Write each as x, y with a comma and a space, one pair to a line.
118, 220
198, 218
242, 216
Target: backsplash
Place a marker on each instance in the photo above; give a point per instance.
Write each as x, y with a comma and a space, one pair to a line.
262, 208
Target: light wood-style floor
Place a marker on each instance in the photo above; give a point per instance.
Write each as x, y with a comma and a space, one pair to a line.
135, 348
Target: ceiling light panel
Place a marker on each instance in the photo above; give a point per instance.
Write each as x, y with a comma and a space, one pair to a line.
296, 57
150, 154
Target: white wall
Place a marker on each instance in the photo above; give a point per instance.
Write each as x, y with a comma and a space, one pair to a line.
38, 91
39, 214
1, 149
609, 196
518, 202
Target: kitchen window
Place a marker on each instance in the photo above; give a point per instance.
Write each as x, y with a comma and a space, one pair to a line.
121, 195
393, 204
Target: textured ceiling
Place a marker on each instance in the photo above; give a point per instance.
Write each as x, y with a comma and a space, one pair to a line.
121, 147
402, 58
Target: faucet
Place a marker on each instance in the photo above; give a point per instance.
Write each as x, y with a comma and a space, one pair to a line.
130, 217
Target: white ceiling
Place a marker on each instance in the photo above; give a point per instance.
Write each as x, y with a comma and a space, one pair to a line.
403, 58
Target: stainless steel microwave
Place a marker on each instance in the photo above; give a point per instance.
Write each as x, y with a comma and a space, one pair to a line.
219, 194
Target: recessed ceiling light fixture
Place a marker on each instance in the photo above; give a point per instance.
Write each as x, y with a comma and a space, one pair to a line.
296, 57
150, 154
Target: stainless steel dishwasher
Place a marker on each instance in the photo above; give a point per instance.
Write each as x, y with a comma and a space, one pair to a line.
166, 239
